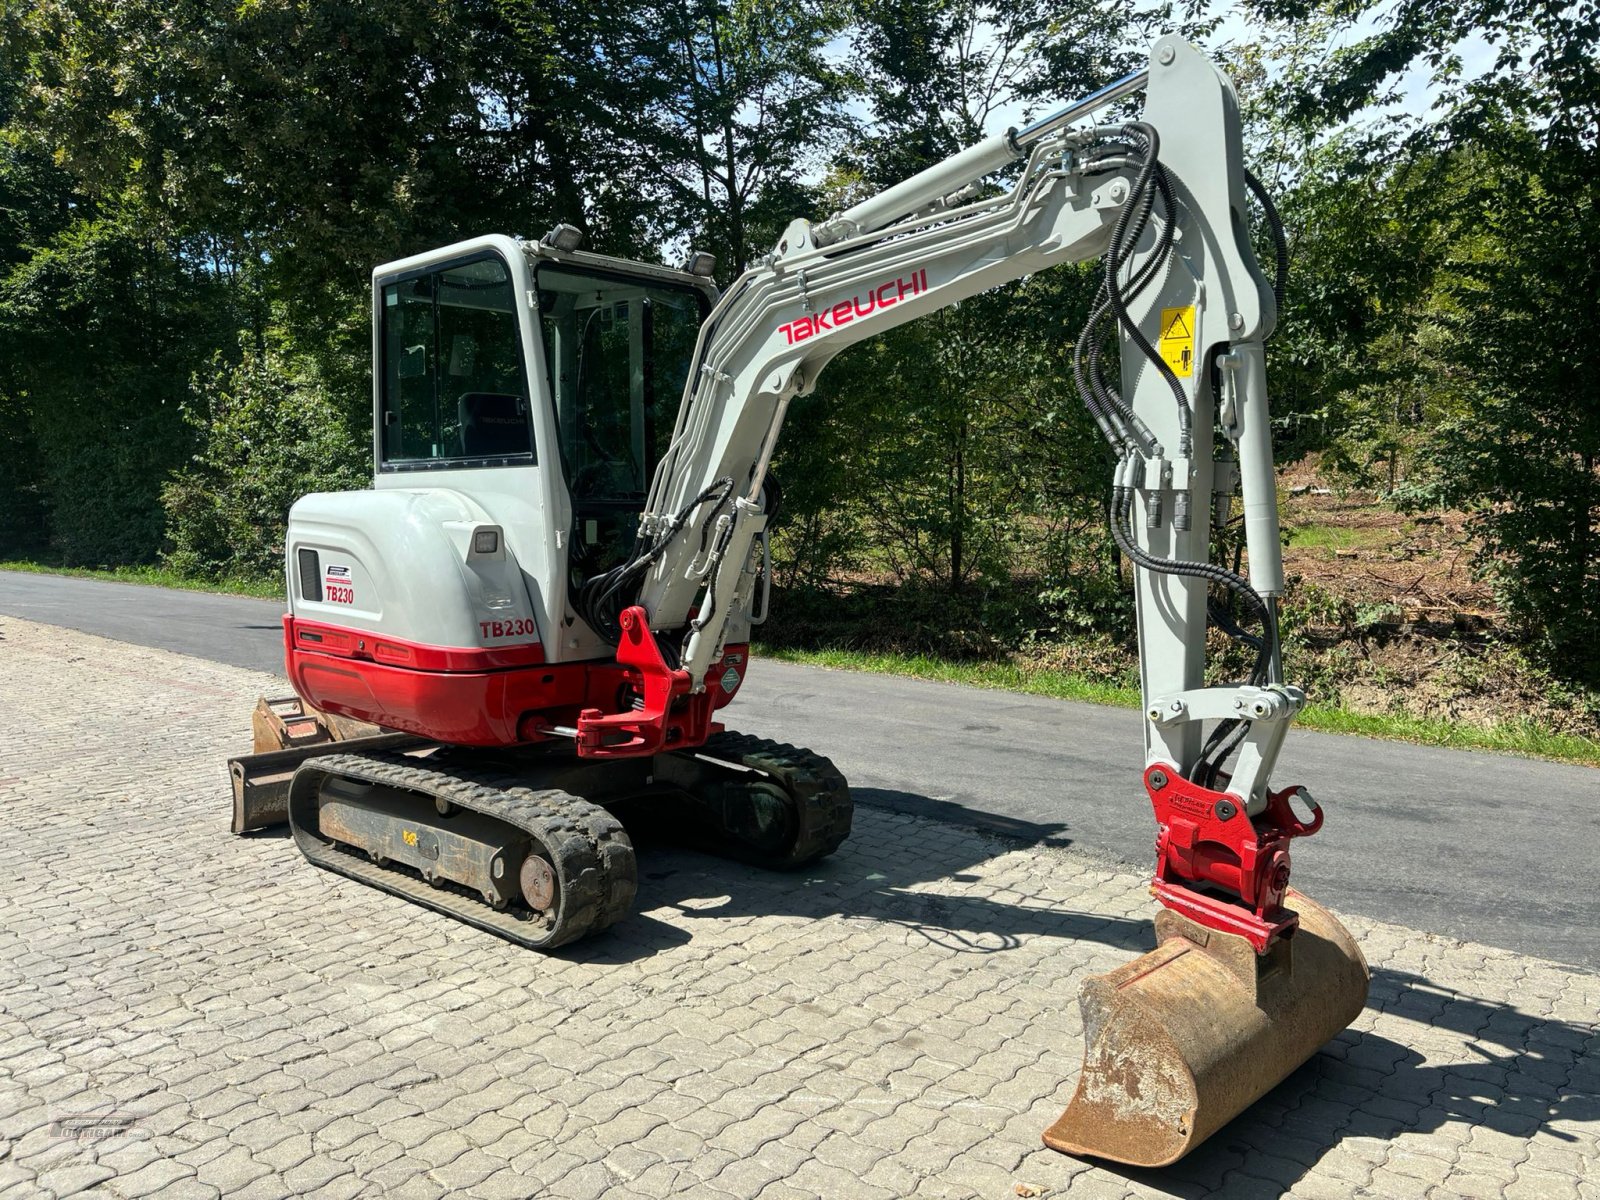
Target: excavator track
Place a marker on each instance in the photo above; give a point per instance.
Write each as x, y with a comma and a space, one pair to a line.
817, 808
590, 870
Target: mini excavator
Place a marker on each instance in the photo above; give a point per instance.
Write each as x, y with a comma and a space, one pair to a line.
540, 608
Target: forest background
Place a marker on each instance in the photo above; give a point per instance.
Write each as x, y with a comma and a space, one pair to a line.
193, 194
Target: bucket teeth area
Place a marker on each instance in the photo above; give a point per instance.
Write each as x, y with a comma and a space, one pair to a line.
1184, 1038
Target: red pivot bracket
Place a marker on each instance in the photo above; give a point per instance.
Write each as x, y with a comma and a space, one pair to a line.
669, 714
1206, 843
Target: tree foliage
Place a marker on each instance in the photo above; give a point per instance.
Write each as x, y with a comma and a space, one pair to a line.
268, 433
1451, 319
192, 196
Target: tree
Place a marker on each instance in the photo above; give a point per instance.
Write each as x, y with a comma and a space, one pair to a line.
268, 432
755, 102
1519, 225
1525, 458
964, 436
101, 328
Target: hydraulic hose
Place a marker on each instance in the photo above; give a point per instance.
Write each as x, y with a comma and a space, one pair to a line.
1280, 240
1131, 438
1139, 199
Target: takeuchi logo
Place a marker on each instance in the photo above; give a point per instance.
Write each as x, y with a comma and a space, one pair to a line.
880, 296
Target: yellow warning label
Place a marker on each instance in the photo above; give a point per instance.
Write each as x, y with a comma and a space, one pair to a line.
409, 836
1177, 340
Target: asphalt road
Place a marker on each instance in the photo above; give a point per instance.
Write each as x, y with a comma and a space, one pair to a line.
1473, 845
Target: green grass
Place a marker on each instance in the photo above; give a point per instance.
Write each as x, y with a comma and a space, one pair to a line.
1334, 538
1004, 676
1520, 737
268, 589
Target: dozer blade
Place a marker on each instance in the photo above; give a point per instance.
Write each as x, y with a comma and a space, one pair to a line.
1183, 1039
286, 733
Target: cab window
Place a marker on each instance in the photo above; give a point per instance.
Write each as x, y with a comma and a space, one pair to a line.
617, 349
455, 391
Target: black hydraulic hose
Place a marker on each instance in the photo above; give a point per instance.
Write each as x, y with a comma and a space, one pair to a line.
1097, 394
602, 599
1223, 620
1121, 532
1126, 431
1119, 305
1109, 396
1280, 240
1226, 738
1114, 415
1122, 505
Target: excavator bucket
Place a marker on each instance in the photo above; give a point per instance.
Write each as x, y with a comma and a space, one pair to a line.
1183, 1039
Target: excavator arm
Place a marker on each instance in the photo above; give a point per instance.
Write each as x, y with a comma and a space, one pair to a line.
1161, 201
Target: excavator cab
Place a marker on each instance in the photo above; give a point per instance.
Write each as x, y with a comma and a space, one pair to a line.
522, 395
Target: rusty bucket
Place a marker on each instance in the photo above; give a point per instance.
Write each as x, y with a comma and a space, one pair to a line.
1183, 1039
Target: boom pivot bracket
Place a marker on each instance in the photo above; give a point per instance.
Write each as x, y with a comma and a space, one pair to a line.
668, 713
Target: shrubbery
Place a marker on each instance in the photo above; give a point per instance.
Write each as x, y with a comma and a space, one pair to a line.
269, 432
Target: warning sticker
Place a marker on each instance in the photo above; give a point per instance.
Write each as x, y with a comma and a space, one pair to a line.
1177, 340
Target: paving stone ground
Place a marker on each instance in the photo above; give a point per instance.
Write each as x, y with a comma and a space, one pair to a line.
185, 1013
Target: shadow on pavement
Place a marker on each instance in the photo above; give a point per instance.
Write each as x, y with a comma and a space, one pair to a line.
1027, 833
1510, 1072
874, 880
868, 879
1514, 1075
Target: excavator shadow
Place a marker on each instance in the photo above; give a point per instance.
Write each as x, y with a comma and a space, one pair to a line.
875, 876
1510, 1072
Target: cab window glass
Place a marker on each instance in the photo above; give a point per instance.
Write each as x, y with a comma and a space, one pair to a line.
618, 351
454, 387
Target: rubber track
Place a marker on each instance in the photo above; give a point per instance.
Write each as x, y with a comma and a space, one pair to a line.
824, 808
591, 853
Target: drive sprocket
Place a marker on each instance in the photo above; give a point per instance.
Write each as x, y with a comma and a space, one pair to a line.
784, 807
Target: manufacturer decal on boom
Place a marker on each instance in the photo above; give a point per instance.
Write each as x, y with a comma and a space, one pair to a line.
880, 296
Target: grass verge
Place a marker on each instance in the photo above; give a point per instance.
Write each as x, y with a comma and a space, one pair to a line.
1521, 737
266, 589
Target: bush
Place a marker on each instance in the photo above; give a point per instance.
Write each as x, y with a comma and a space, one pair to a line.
269, 433
99, 329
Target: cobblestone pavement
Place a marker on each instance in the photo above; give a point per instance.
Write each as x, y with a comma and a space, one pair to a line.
185, 1013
